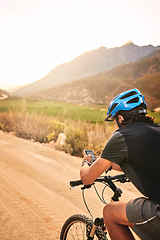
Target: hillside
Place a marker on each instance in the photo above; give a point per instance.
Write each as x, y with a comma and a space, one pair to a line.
87, 64
147, 65
99, 89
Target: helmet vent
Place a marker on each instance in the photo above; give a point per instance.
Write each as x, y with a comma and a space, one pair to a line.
128, 95
134, 100
113, 106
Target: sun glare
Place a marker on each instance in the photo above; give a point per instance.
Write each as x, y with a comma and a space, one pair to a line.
45, 34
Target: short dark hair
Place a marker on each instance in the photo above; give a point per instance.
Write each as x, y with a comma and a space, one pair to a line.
134, 116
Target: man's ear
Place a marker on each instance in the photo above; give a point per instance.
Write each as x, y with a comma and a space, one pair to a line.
120, 118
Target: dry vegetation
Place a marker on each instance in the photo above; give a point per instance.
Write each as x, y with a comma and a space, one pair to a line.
83, 126
79, 135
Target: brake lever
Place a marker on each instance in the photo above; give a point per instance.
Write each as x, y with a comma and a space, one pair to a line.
123, 180
87, 186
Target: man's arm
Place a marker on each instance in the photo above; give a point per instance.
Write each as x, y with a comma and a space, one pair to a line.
89, 174
116, 167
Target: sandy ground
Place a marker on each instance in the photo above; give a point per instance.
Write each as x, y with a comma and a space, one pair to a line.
35, 198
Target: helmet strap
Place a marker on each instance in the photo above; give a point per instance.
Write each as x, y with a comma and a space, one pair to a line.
119, 125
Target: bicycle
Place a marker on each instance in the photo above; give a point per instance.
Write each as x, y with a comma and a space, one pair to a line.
80, 227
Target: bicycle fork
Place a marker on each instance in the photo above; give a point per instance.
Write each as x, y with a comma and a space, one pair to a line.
97, 223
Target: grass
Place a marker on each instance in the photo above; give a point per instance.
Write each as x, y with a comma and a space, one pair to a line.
83, 126
156, 115
40, 128
88, 114
43, 121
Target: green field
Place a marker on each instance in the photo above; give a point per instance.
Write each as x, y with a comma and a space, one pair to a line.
90, 114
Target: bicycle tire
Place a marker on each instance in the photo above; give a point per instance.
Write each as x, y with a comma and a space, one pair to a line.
78, 227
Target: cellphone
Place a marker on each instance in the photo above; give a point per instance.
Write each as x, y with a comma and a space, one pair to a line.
90, 152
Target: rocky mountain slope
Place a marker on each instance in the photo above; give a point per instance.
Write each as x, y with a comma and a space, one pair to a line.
87, 64
99, 89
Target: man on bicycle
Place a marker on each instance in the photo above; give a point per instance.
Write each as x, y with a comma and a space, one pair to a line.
135, 149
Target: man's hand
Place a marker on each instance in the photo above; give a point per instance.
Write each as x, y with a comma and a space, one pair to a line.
87, 158
89, 173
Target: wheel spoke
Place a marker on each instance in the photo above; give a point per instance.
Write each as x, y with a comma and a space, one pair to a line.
83, 230
78, 227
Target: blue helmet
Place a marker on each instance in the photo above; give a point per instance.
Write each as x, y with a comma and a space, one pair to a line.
125, 101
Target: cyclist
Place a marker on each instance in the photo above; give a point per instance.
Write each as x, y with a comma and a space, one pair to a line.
135, 148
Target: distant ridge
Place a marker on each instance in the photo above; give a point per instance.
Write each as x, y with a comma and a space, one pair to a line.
128, 42
86, 65
101, 88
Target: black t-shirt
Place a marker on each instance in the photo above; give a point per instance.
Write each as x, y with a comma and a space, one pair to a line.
136, 148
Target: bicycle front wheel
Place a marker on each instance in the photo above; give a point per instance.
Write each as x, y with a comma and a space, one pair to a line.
78, 227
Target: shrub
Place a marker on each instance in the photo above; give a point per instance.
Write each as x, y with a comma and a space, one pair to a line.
50, 137
55, 128
76, 139
79, 135
6, 122
27, 125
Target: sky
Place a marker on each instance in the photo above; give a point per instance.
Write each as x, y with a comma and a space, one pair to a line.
38, 35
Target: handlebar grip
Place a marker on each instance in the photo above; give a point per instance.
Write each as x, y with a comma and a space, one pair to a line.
75, 183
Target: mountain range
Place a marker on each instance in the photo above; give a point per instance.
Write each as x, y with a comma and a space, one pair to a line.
96, 76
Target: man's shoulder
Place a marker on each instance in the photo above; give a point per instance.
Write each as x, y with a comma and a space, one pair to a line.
116, 136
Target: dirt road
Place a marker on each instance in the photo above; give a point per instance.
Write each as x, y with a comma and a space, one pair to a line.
35, 198
3, 96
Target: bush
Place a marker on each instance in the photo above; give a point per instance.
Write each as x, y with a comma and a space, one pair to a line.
55, 128
27, 125
77, 140
50, 137
79, 135
6, 122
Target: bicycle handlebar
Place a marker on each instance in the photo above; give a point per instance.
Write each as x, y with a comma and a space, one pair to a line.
75, 183
120, 177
